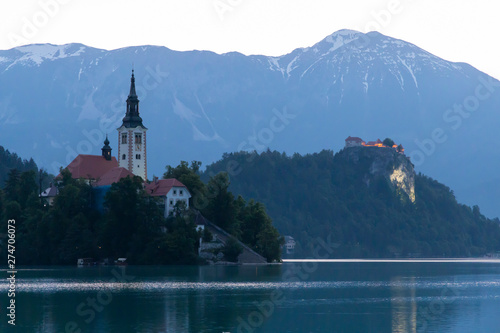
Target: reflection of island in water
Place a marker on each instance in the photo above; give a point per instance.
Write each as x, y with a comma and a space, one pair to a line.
328, 297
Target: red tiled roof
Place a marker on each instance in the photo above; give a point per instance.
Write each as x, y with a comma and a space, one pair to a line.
354, 138
91, 166
162, 186
113, 176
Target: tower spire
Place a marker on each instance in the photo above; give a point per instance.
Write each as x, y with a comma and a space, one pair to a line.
132, 86
132, 118
132, 152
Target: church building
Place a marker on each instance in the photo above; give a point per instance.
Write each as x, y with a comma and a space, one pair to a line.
101, 171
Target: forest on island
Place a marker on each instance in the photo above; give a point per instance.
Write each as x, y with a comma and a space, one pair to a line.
325, 195
131, 224
310, 197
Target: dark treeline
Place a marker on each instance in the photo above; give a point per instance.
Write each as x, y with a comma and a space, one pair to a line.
130, 225
9, 161
73, 228
324, 195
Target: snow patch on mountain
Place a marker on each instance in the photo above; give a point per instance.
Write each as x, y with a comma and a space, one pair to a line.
187, 114
341, 38
409, 70
290, 66
275, 66
38, 53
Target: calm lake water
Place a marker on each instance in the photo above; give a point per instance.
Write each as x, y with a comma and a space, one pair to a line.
293, 297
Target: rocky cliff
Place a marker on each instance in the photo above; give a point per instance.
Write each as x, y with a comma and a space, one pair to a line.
386, 162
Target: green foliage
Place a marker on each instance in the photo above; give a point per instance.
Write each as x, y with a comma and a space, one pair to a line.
207, 236
269, 243
131, 226
189, 176
232, 250
218, 204
132, 220
9, 161
326, 195
71, 228
245, 221
388, 142
221, 208
180, 244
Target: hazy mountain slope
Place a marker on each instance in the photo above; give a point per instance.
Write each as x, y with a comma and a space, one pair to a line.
56, 101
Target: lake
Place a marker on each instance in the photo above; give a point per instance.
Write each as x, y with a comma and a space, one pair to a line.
339, 296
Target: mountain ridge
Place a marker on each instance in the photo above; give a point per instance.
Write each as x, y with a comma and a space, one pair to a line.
200, 104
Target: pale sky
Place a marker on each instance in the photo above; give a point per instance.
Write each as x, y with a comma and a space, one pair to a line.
456, 30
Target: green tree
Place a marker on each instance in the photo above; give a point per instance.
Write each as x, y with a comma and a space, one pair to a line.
180, 244
207, 236
189, 176
269, 243
78, 241
12, 186
232, 249
254, 220
337, 196
221, 208
133, 220
2, 205
388, 142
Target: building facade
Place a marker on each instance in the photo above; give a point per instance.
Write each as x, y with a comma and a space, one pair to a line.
171, 191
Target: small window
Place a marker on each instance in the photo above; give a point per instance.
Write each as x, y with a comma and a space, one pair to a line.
171, 202
138, 138
124, 138
137, 156
180, 192
175, 192
124, 156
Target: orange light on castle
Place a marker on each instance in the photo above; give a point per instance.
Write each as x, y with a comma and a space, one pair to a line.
356, 142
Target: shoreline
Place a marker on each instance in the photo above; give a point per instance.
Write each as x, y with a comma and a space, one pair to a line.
409, 260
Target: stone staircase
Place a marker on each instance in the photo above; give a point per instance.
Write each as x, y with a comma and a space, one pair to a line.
248, 256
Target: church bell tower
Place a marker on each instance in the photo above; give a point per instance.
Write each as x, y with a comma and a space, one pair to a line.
132, 137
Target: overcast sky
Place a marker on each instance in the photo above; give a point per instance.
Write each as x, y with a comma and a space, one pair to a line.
456, 30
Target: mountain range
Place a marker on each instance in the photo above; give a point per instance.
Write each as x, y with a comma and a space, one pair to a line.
60, 100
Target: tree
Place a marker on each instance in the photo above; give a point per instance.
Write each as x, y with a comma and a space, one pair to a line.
180, 244
269, 243
189, 176
132, 221
388, 142
12, 186
207, 236
2, 205
254, 220
221, 207
232, 250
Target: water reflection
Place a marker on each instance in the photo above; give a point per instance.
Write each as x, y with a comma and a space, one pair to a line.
403, 305
336, 297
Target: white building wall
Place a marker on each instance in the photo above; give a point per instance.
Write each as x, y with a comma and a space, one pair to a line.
173, 196
132, 154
